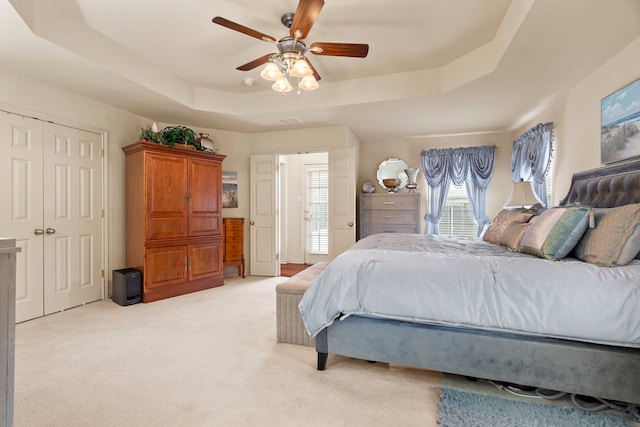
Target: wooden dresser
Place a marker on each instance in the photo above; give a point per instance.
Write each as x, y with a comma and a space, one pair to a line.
174, 219
389, 213
233, 239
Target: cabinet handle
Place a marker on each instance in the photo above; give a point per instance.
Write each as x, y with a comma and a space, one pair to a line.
389, 217
50, 230
350, 224
38, 231
388, 203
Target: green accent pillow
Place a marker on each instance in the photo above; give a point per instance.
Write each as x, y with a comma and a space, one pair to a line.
616, 238
555, 232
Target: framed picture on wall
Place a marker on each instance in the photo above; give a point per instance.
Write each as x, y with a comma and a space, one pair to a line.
620, 124
229, 189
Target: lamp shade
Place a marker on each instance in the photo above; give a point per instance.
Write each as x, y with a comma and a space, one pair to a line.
282, 85
271, 72
308, 83
300, 69
522, 196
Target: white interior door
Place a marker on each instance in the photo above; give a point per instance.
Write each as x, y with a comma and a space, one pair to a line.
263, 217
21, 210
72, 218
52, 205
342, 200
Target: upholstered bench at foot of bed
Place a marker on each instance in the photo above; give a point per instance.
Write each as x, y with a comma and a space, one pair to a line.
288, 295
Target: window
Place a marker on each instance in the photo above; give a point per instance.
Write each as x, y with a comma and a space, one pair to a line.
317, 212
457, 216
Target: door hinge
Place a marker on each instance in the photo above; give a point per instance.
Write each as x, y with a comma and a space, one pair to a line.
102, 273
102, 213
277, 257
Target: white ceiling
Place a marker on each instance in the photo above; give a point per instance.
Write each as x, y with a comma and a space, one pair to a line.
434, 67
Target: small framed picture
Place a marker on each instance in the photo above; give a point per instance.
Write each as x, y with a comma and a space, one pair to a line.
229, 189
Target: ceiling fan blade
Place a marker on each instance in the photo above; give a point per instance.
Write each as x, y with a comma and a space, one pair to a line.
355, 50
304, 18
242, 29
315, 73
255, 63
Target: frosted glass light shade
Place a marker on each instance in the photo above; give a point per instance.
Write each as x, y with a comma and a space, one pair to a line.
300, 69
282, 85
522, 196
271, 72
308, 83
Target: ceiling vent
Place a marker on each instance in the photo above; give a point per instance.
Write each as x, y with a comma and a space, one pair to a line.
289, 121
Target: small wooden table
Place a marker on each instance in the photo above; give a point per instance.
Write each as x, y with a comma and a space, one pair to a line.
233, 241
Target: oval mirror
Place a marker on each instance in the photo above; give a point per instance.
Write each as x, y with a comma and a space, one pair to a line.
390, 169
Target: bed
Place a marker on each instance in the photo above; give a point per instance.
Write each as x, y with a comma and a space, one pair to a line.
558, 323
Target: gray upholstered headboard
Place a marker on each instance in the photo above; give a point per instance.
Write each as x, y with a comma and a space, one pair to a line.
606, 187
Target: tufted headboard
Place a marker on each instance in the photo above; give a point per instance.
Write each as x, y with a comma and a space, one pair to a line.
606, 187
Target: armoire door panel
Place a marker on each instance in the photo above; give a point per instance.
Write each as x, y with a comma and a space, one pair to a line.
165, 266
204, 187
205, 260
166, 193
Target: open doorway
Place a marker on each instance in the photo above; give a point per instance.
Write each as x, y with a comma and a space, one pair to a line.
304, 209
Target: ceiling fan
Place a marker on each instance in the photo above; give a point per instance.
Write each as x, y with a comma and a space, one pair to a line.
290, 60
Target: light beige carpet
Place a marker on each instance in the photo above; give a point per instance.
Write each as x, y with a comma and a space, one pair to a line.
203, 359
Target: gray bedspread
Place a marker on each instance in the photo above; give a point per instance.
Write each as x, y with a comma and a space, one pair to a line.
471, 283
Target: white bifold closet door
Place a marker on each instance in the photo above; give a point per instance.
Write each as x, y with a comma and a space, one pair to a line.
52, 205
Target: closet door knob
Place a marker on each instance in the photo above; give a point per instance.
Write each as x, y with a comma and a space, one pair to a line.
38, 231
252, 223
50, 230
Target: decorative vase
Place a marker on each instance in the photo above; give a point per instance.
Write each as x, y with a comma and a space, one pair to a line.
412, 176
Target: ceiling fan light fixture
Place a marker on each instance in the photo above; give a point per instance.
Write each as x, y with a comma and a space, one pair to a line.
271, 72
282, 86
301, 69
308, 83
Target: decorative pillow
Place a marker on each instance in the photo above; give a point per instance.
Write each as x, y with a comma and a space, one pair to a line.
502, 221
512, 235
555, 232
616, 238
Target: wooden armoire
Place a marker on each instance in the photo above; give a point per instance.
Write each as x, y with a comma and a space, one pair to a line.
174, 219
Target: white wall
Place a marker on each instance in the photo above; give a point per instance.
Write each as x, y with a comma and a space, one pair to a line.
409, 150
31, 97
576, 115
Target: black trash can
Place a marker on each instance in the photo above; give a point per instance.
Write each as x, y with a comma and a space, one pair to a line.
126, 286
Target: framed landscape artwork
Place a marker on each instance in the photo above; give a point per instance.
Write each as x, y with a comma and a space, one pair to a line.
620, 124
229, 189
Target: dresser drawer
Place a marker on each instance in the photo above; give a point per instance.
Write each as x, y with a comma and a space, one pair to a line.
232, 239
368, 229
231, 225
231, 247
390, 202
390, 217
233, 255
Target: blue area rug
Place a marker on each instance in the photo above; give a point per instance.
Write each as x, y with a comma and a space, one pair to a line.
465, 409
